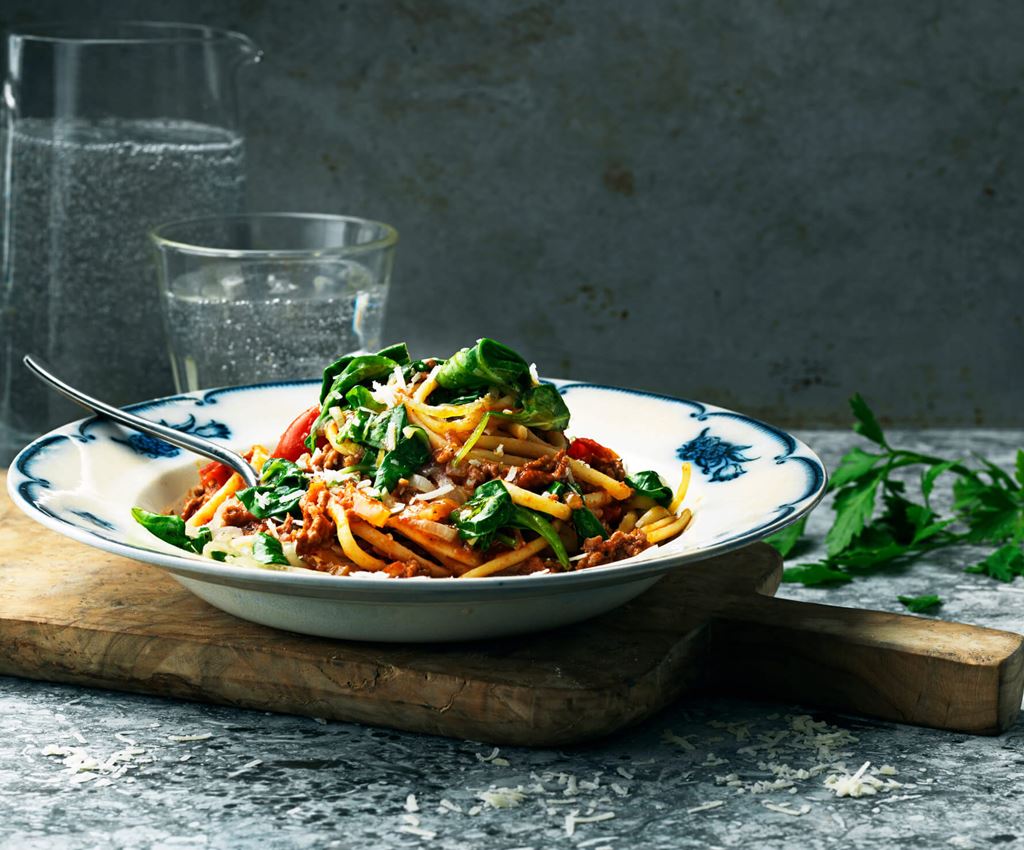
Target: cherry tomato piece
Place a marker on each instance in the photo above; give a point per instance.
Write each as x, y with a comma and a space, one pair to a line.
214, 474
587, 450
292, 443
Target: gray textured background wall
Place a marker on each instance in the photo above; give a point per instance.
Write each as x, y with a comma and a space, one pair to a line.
764, 205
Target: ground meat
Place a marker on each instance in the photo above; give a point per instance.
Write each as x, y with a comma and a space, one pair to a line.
235, 513
328, 559
532, 564
472, 475
448, 451
620, 545
317, 526
406, 569
540, 473
193, 501
611, 515
333, 459
611, 468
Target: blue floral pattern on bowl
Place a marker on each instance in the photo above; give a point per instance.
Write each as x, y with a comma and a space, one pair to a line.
154, 448
83, 479
721, 460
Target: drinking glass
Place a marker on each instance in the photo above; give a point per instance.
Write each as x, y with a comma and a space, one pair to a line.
270, 296
110, 129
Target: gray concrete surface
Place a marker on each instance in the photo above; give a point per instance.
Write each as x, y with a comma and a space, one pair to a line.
764, 205
198, 776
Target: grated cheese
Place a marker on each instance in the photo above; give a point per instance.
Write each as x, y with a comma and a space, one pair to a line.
705, 807
418, 832
502, 798
786, 809
669, 737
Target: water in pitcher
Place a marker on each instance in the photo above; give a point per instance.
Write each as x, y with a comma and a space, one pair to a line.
271, 321
80, 275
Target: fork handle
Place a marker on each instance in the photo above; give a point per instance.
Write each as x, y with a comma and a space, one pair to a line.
189, 442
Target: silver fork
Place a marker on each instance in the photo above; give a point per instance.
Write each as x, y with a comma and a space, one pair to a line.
189, 442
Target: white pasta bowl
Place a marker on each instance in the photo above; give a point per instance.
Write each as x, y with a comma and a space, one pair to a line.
748, 481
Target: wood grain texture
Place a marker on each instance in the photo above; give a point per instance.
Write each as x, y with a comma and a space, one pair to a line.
74, 614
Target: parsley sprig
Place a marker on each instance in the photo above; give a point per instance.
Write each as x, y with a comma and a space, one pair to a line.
878, 525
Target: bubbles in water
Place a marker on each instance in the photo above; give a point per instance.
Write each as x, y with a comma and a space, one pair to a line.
79, 287
270, 326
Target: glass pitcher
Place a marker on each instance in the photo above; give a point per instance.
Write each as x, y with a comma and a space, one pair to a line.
111, 129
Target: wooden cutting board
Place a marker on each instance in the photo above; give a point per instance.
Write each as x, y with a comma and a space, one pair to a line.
70, 613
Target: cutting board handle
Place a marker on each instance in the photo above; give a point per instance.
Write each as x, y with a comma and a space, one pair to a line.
893, 666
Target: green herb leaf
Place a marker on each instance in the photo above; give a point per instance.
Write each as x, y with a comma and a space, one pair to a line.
171, 529
993, 515
332, 372
866, 424
855, 464
282, 485
354, 429
486, 364
920, 604
932, 473
784, 541
384, 430
812, 575
988, 501
402, 461
267, 550
583, 519
359, 397
533, 521
399, 352
542, 407
648, 483
853, 506
1004, 564
484, 515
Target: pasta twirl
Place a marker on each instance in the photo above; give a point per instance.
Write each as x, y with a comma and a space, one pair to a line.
438, 468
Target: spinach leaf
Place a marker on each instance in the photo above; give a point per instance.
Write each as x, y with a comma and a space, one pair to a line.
407, 456
340, 377
583, 519
648, 483
483, 516
533, 521
360, 398
171, 529
486, 364
481, 519
281, 486
414, 367
267, 550
359, 370
398, 354
384, 431
354, 429
542, 407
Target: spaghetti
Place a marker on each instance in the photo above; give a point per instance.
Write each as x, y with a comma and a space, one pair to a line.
457, 468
